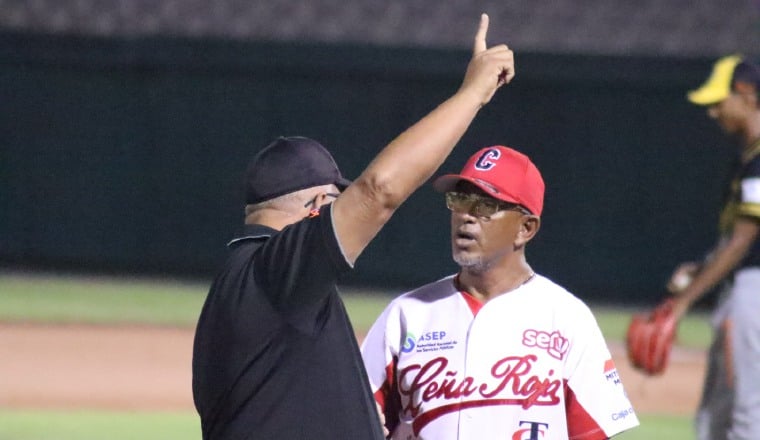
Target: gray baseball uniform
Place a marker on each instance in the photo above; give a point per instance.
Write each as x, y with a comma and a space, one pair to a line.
730, 406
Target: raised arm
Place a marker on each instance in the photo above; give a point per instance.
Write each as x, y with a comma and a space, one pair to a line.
412, 157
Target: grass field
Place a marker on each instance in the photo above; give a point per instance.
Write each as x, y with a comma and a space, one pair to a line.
98, 300
98, 425
103, 300
88, 425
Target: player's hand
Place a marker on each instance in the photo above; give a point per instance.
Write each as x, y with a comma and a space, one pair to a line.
682, 277
489, 68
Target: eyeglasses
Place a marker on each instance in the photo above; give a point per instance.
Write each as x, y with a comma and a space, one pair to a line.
480, 206
314, 200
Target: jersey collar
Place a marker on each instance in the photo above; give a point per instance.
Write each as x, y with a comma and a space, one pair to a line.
252, 232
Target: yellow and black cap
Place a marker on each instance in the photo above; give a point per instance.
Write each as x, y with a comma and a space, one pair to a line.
719, 84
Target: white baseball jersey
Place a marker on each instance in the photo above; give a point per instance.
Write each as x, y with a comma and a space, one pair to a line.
530, 364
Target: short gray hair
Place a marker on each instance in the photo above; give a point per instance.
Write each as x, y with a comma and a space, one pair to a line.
284, 202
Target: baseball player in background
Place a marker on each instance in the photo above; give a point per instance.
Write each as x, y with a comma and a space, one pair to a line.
730, 406
495, 351
275, 356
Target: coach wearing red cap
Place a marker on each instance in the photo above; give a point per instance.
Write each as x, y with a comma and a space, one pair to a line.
275, 356
495, 351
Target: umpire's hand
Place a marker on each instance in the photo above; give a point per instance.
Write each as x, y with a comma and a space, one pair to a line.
489, 68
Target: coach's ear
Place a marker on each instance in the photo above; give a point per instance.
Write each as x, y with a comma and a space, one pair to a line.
529, 226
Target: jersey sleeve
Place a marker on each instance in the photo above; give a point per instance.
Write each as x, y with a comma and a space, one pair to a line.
749, 203
380, 350
300, 265
596, 404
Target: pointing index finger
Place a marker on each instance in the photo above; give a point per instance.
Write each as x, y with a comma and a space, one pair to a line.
480, 36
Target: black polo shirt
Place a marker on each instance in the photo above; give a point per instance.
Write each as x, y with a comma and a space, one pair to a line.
275, 356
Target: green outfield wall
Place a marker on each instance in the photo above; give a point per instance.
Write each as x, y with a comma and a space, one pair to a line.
127, 155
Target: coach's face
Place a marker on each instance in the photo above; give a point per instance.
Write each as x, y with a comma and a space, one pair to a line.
485, 231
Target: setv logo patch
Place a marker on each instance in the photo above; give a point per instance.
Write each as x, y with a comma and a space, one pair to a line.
554, 343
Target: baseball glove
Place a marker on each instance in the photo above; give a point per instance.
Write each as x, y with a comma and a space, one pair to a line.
650, 337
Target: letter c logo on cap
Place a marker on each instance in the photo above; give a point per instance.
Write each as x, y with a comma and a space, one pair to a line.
486, 160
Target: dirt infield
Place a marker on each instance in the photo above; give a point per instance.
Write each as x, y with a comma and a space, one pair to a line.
146, 368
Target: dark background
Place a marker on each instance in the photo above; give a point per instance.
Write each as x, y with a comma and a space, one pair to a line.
125, 155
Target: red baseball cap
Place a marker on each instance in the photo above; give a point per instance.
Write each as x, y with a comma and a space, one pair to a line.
504, 174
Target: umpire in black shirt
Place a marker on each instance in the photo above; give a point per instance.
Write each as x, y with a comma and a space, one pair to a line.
275, 356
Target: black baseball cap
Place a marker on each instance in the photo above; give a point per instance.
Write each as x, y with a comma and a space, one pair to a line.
290, 164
